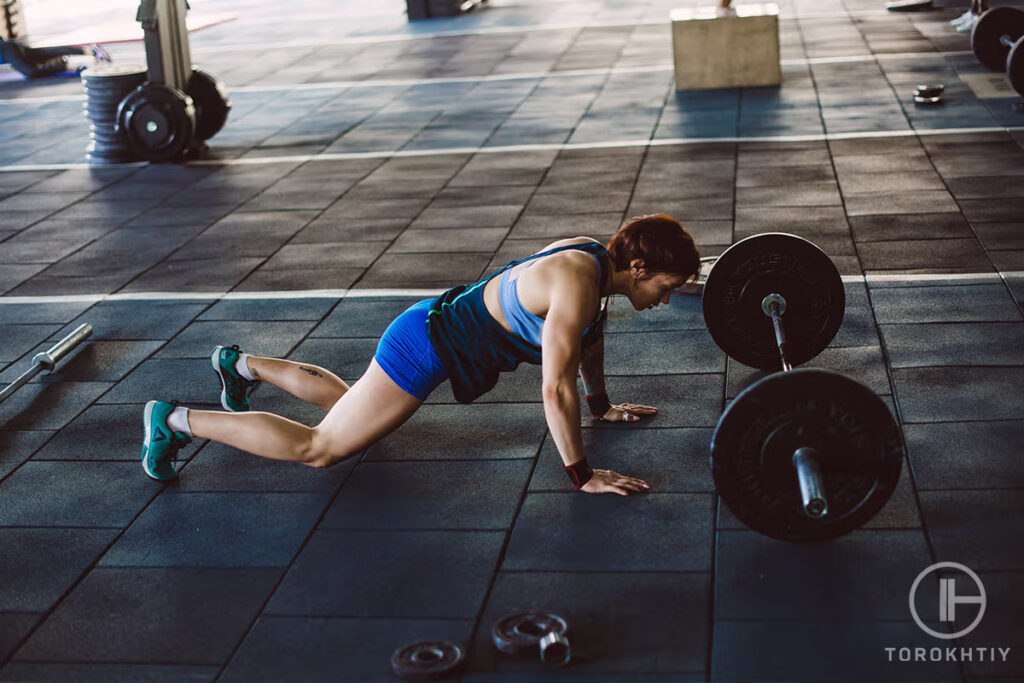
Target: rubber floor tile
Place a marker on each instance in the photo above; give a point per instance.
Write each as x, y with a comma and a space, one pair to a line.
642, 532
46, 564
830, 650
430, 495
943, 303
996, 629
862, 575
226, 530
934, 344
26, 672
14, 628
966, 455
18, 446
109, 617
954, 393
394, 574
49, 404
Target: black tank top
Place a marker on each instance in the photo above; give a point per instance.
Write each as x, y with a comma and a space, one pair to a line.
475, 348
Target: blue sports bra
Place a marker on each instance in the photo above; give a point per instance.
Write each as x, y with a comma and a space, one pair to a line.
523, 323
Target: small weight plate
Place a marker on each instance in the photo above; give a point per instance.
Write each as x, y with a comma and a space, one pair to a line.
100, 72
773, 263
523, 631
212, 103
1015, 68
855, 437
991, 25
428, 660
157, 121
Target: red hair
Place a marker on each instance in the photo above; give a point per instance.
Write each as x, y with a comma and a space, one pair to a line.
660, 241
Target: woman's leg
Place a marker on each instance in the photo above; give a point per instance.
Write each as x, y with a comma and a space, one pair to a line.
311, 383
370, 410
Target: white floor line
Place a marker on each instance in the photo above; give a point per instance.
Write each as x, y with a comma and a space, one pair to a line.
576, 73
937, 278
497, 30
556, 147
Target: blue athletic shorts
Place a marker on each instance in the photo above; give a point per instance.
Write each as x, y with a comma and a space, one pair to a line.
406, 354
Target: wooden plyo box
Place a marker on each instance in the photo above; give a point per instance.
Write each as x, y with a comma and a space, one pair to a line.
737, 50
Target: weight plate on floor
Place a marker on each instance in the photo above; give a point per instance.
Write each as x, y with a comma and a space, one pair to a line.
428, 660
991, 25
212, 103
100, 73
523, 631
157, 121
855, 438
773, 263
1015, 68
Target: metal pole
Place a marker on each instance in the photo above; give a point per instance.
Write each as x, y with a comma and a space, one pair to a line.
774, 306
47, 360
812, 489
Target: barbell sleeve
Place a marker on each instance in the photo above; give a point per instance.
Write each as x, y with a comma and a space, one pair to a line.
812, 489
1007, 41
47, 360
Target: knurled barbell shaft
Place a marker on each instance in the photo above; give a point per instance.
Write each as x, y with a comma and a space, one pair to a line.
812, 489
780, 336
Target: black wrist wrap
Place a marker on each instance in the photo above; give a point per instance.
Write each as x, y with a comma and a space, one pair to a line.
579, 473
599, 404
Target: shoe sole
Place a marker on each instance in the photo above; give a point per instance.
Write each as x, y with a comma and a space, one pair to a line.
215, 362
147, 421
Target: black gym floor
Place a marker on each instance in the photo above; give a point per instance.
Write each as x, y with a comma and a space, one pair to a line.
368, 161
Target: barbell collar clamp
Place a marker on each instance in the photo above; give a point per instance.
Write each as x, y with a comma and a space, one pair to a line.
812, 490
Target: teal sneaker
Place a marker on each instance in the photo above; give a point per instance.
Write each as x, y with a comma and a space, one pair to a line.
161, 445
235, 389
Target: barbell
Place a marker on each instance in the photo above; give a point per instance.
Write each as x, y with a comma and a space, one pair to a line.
803, 454
997, 40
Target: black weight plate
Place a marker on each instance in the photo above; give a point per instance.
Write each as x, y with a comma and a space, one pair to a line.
428, 660
775, 263
991, 25
212, 103
856, 439
1015, 68
521, 631
113, 72
157, 121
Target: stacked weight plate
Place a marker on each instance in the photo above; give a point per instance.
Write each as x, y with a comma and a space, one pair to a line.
105, 87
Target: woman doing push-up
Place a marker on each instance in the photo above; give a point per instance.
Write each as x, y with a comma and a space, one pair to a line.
545, 310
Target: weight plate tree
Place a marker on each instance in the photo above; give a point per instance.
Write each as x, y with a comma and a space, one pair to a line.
801, 455
211, 101
752, 269
157, 121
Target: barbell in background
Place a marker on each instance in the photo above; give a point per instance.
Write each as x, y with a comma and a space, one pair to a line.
997, 40
47, 360
803, 454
